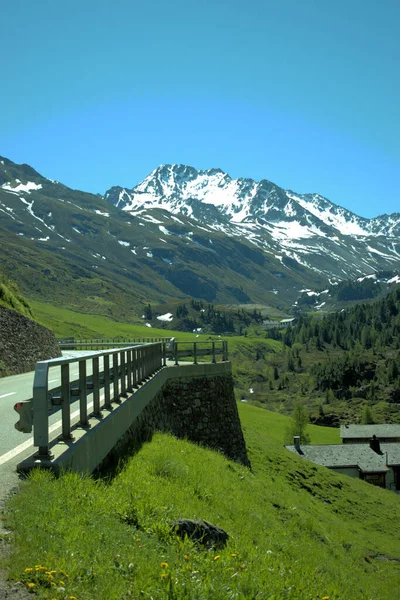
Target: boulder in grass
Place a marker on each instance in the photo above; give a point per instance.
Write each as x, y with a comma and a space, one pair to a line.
201, 531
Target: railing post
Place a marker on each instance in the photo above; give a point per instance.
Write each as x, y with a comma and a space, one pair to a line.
96, 387
107, 399
213, 352
146, 361
115, 378
123, 374
129, 370
139, 365
225, 356
150, 361
195, 353
134, 367
41, 411
164, 354
176, 351
65, 406
142, 369
83, 416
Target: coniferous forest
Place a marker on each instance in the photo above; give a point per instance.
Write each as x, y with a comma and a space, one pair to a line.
343, 367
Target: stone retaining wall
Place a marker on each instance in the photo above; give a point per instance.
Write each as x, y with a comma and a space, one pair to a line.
202, 409
23, 343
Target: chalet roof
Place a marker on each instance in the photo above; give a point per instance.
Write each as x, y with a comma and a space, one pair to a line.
393, 453
360, 456
367, 431
288, 320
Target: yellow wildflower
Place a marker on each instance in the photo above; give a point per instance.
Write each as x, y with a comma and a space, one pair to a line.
164, 565
62, 582
217, 557
28, 570
233, 554
163, 575
30, 585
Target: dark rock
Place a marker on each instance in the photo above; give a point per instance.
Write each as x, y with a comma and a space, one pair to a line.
201, 531
23, 343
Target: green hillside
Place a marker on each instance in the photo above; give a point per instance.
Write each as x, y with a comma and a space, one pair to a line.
297, 530
10, 297
337, 383
347, 363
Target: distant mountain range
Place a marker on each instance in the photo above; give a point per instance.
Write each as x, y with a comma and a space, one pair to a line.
182, 232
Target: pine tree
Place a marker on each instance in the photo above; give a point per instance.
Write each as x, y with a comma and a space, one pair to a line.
299, 423
367, 418
148, 313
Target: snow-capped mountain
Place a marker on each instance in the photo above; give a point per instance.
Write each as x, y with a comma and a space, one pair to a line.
303, 227
181, 232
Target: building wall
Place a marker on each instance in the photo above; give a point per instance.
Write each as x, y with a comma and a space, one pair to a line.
350, 471
390, 480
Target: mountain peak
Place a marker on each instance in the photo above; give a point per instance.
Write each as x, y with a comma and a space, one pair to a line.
183, 189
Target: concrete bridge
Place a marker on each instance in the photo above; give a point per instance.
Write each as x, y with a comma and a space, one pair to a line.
110, 400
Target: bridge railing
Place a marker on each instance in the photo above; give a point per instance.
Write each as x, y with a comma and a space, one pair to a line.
116, 372
213, 349
104, 342
172, 349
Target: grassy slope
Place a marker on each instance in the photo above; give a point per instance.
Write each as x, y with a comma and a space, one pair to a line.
66, 323
296, 530
10, 297
249, 373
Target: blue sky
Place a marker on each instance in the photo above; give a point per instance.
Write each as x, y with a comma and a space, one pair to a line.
305, 93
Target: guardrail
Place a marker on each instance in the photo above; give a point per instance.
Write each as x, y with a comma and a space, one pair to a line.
122, 371
117, 372
71, 343
196, 350
172, 349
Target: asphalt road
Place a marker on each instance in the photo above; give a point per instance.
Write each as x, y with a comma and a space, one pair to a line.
14, 445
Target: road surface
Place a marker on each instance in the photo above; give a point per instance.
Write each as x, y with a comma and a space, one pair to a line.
14, 445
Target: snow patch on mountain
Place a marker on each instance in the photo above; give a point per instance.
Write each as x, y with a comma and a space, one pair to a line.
23, 187
336, 217
395, 279
166, 317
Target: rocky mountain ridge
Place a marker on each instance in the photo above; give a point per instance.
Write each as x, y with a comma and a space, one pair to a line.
298, 226
181, 233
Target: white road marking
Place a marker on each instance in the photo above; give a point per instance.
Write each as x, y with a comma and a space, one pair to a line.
18, 449
9, 394
9, 455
